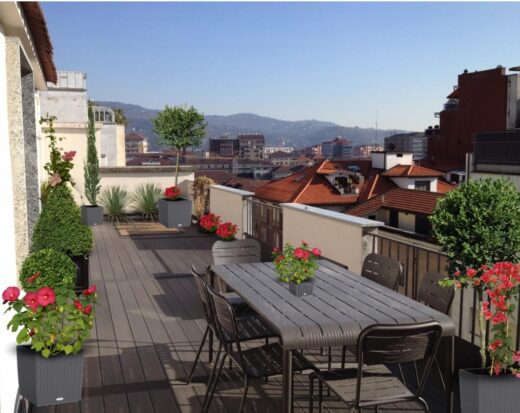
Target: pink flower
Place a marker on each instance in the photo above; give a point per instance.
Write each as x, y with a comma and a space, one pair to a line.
55, 179
31, 301
316, 252
69, 156
10, 294
46, 296
471, 272
299, 253
499, 318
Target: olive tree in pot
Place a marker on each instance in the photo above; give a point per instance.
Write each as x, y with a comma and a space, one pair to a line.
478, 226
52, 323
179, 127
59, 227
91, 214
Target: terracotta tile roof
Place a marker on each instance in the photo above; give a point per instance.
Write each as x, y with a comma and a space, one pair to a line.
400, 199
134, 137
42, 41
364, 165
308, 186
443, 186
375, 186
415, 171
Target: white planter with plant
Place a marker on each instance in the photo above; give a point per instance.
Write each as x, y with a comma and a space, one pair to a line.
179, 127
91, 214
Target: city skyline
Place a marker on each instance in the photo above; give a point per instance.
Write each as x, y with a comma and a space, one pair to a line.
342, 62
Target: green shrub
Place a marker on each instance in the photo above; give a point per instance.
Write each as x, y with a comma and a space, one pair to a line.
478, 223
55, 268
59, 226
145, 200
115, 201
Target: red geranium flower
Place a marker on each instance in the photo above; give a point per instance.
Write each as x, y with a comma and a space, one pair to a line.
10, 294
78, 304
46, 296
316, 252
172, 193
88, 309
227, 231
90, 291
31, 301
298, 253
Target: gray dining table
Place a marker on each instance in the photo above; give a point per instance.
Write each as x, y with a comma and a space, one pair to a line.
341, 305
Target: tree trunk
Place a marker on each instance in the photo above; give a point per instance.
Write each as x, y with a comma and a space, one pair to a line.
177, 166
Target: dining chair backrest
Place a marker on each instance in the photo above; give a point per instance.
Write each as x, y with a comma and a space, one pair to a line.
433, 295
236, 252
382, 270
396, 344
225, 319
200, 283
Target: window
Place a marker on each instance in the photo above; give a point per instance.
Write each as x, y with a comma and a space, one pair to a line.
394, 219
422, 225
422, 186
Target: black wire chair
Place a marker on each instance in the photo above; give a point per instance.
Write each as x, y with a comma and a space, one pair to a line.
250, 327
257, 362
371, 383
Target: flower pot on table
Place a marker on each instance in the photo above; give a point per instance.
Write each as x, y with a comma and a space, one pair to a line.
302, 289
176, 213
44, 382
482, 393
91, 215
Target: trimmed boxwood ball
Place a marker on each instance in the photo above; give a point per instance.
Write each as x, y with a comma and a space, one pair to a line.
56, 269
59, 226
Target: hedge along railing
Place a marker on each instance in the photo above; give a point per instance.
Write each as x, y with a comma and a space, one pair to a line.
417, 259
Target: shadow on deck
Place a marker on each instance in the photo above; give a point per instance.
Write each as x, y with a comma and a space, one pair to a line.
149, 324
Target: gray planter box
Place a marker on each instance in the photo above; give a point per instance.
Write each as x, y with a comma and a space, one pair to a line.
300, 290
91, 215
45, 382
482, 393
174, 214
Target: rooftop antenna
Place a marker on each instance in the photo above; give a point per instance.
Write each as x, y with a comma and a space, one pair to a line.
377, 140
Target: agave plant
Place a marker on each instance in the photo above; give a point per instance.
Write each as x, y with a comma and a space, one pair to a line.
115, 201
145, 200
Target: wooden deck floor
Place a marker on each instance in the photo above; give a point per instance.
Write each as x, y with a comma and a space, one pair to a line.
149, 324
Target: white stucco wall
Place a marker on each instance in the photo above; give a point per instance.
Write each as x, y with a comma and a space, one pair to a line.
112, 145
409, 183
340, 237
67, 105
387, 160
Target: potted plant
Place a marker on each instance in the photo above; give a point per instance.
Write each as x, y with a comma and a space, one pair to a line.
174, 210
91, 214
297, 266
179, 127
227, 231
209, 223
476, 225
52, 323
59, 227
480, 389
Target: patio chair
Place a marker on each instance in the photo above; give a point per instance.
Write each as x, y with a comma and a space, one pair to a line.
439, 298
371, 383
382, 270
250, 327
257, 362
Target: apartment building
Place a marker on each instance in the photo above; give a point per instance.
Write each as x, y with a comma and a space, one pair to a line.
414, 142
337, 148
251, 146
224, 146
135, 144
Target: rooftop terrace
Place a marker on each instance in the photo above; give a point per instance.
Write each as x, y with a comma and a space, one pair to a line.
148, 326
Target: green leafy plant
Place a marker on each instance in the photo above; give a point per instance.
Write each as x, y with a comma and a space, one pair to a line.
145, 199
54, 320
476, 225
179, 127
91, 167
47, 267
59, 164
115, 200
59, 226
45, 190
296, 265
201, 186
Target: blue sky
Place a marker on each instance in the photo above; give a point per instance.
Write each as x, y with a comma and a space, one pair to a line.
340, 62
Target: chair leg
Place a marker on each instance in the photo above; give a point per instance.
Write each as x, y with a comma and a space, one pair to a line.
416, 370
401, 373
244, 394
423, 404
343, 356
311, 395
320, 397
436, 360
210, 347
211, 393
198, 355
266, 343
330, 358
212, 375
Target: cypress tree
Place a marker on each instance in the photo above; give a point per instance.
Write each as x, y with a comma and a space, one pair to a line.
91, 167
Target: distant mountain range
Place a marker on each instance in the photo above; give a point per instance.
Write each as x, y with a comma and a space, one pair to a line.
292, 133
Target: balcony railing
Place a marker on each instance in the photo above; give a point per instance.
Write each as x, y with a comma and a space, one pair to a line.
264, 223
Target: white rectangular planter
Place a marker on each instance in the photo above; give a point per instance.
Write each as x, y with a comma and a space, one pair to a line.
173, 214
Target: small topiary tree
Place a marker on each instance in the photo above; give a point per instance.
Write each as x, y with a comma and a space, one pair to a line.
47, 268
91, 167
477, 224
59, 226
